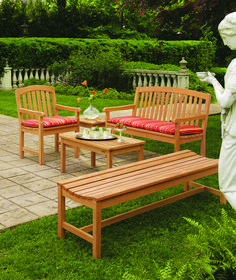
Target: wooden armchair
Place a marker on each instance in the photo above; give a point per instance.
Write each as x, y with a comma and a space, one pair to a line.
38, 114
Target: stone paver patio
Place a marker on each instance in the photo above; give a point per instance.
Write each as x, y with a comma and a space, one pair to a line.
28, 191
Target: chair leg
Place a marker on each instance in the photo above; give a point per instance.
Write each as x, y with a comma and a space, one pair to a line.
56, 142
41, 149
203, 147
21, 144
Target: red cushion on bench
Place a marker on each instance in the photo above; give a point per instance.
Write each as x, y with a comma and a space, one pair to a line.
155, 125
51, 121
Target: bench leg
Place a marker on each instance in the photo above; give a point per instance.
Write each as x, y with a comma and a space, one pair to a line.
186, 187
97, 230
61, 213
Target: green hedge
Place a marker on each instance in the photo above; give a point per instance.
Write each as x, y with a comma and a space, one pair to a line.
42, 52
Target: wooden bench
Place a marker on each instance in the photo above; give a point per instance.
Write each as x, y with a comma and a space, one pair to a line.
102, 189
167, 114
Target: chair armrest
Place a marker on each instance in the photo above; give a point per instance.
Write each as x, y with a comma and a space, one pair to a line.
192, 118
27, 111
68, 108
125, 107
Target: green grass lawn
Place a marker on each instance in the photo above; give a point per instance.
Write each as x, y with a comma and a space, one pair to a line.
147, 246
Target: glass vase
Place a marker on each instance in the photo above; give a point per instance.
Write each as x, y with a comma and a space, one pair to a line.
91, 112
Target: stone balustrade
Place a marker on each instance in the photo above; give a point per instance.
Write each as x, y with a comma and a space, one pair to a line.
14, 78
148, 78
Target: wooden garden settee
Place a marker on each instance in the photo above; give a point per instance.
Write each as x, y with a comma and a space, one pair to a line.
167, 114
38, 114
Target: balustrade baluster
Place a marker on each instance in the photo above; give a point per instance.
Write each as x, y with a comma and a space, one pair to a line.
162, 80
150, 79
140, 83
31, 74
134, 80
144, 79
26, 77
168, 80
156, 83
42, 74
47, 76
37, 73
14, 79
175, 84
20, 77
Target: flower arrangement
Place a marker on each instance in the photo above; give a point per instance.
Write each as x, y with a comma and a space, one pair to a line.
93, 94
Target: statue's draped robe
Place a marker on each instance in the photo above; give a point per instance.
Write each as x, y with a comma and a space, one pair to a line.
227, 160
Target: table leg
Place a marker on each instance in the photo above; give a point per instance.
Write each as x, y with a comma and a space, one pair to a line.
76, 152
109, 160
93, 159
63, 157
140, 153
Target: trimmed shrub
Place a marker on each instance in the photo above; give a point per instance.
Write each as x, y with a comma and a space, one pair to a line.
42, 52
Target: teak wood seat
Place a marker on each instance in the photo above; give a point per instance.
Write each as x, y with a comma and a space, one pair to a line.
113, 186
167, 114
38, 114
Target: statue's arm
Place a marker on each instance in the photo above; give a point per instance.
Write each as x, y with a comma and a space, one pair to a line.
225, 96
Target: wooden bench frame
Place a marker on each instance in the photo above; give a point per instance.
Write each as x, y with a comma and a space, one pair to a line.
170, 104
103, 189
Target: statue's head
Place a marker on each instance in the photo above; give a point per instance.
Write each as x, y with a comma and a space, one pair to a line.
227, 29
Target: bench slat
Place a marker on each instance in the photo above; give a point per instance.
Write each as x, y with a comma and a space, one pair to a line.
132, 166
89, 184
134, 180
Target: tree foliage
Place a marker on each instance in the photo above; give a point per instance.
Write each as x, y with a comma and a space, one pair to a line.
71, 18
186, 16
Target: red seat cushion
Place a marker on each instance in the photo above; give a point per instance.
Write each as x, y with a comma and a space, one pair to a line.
51, 121
155, 125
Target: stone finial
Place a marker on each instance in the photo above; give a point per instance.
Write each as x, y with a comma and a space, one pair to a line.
183, 64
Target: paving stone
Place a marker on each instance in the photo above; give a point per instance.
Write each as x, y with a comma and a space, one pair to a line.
6, 205
12, 172
28, 177
5, 165
44, 208
49, 193
14, 191
39, 185
28, 199
4, 183
16, 217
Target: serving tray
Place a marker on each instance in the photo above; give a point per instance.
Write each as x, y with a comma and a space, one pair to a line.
80, 136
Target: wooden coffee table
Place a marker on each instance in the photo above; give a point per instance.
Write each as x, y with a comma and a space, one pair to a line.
104, 147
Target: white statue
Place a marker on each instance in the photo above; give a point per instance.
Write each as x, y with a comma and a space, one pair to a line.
227, 100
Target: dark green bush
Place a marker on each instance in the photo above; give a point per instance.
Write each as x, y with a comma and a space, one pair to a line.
34, 81
99, 69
